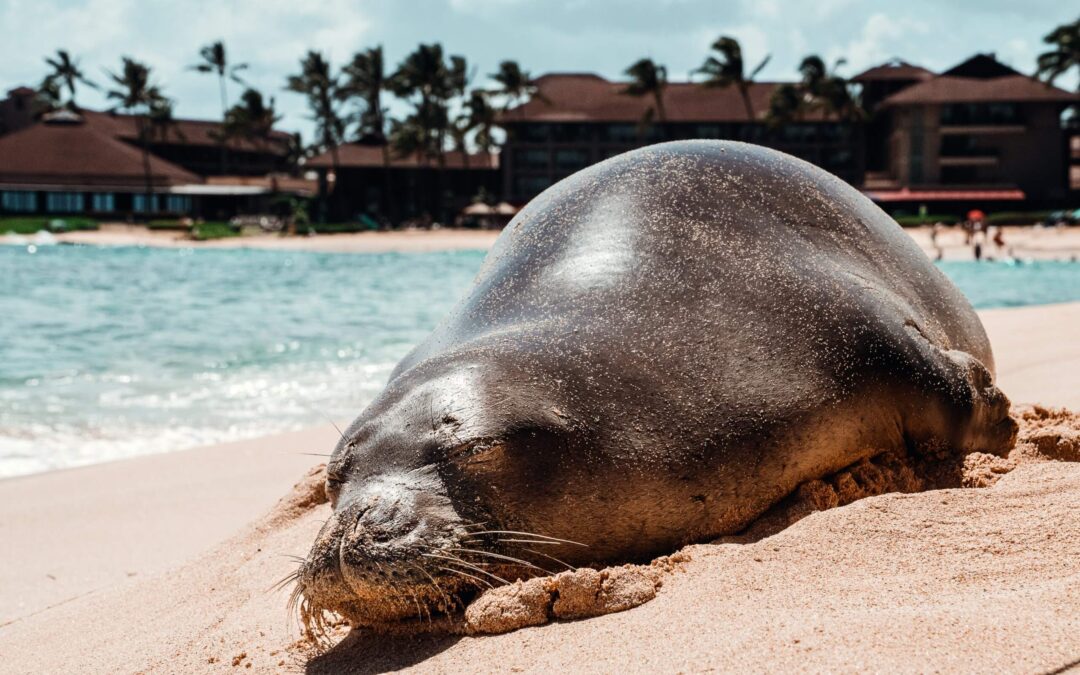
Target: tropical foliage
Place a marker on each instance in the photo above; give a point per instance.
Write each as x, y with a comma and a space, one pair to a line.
726, 69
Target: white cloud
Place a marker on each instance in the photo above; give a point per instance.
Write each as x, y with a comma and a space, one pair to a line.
882, 37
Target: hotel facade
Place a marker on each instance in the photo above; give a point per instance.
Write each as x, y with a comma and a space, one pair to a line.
979, 134
90, 163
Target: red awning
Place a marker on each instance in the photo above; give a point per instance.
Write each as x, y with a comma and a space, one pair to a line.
906, 195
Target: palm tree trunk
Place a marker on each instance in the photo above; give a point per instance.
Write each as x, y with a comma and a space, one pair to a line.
148, 179
224, 114
386, 183
744, 90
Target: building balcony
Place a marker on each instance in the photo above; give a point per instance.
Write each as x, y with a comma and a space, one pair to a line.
968, 160
982, 129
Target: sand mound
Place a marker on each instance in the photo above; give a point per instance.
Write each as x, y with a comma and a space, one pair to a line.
949, 579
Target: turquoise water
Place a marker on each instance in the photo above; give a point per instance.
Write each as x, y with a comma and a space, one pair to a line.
113, 352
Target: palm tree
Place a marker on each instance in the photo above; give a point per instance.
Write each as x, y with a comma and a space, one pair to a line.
827, 90
648, 79
66, 72
515, 84
316, 82
427, 78
366, 79
785, 105
48, 96
252, 119
216, 62
1064, 54
137, 95
408, 138
481, 116
459, 131
727, 69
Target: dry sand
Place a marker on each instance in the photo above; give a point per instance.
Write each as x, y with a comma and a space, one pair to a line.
403, 241
1024, 242
950, 580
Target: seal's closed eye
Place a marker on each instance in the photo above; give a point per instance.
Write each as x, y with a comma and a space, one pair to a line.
476, 452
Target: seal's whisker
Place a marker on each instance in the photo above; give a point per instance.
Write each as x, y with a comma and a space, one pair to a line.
285, 581
530, 534
551, 557
438, 588
500, 556
315, 454
419, 613
520, 541
466, 574
459, 561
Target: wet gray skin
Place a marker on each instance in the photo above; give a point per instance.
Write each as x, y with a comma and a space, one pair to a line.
657, 349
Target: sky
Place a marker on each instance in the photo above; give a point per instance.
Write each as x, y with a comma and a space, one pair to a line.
600, 36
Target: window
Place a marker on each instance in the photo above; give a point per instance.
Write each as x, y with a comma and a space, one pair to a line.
103, 202
571, 159
533, 133
529, 186
177, 203
531, 159
960, 175
19, 202
621, 133
981, 114
63, 202
139, 201
963, 146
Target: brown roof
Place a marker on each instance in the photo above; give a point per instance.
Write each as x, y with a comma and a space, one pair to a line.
952, 89
183, 131
79, 154
356, 155
894, 70
584, 97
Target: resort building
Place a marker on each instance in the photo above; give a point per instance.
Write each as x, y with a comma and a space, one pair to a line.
578, 119
980, 133
372, 180
93, 164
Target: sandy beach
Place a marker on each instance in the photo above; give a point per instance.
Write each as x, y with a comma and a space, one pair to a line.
166, 563
397, 241
1023, 242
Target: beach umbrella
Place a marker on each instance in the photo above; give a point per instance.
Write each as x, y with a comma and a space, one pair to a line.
478, 209
976, 215
506, 209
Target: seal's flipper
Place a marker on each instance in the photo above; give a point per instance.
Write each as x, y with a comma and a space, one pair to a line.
962, 411
989, 428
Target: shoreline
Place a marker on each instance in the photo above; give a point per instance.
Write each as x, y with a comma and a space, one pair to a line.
1024, 242
397, 241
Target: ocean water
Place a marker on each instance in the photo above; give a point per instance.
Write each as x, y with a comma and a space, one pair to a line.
113, 352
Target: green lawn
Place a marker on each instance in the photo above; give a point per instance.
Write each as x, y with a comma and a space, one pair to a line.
33, 224
928, 219
213, 230
167, 225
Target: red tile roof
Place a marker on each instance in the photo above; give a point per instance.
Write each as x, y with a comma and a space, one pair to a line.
952, 89
584, 97
183, 131
893, 70
356, 155
79, 154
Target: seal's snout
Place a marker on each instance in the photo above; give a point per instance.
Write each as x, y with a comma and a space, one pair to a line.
384, 522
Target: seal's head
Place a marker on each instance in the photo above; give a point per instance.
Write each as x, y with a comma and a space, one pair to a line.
427, 487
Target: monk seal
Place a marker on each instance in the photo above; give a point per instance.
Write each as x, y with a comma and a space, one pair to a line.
655, 351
